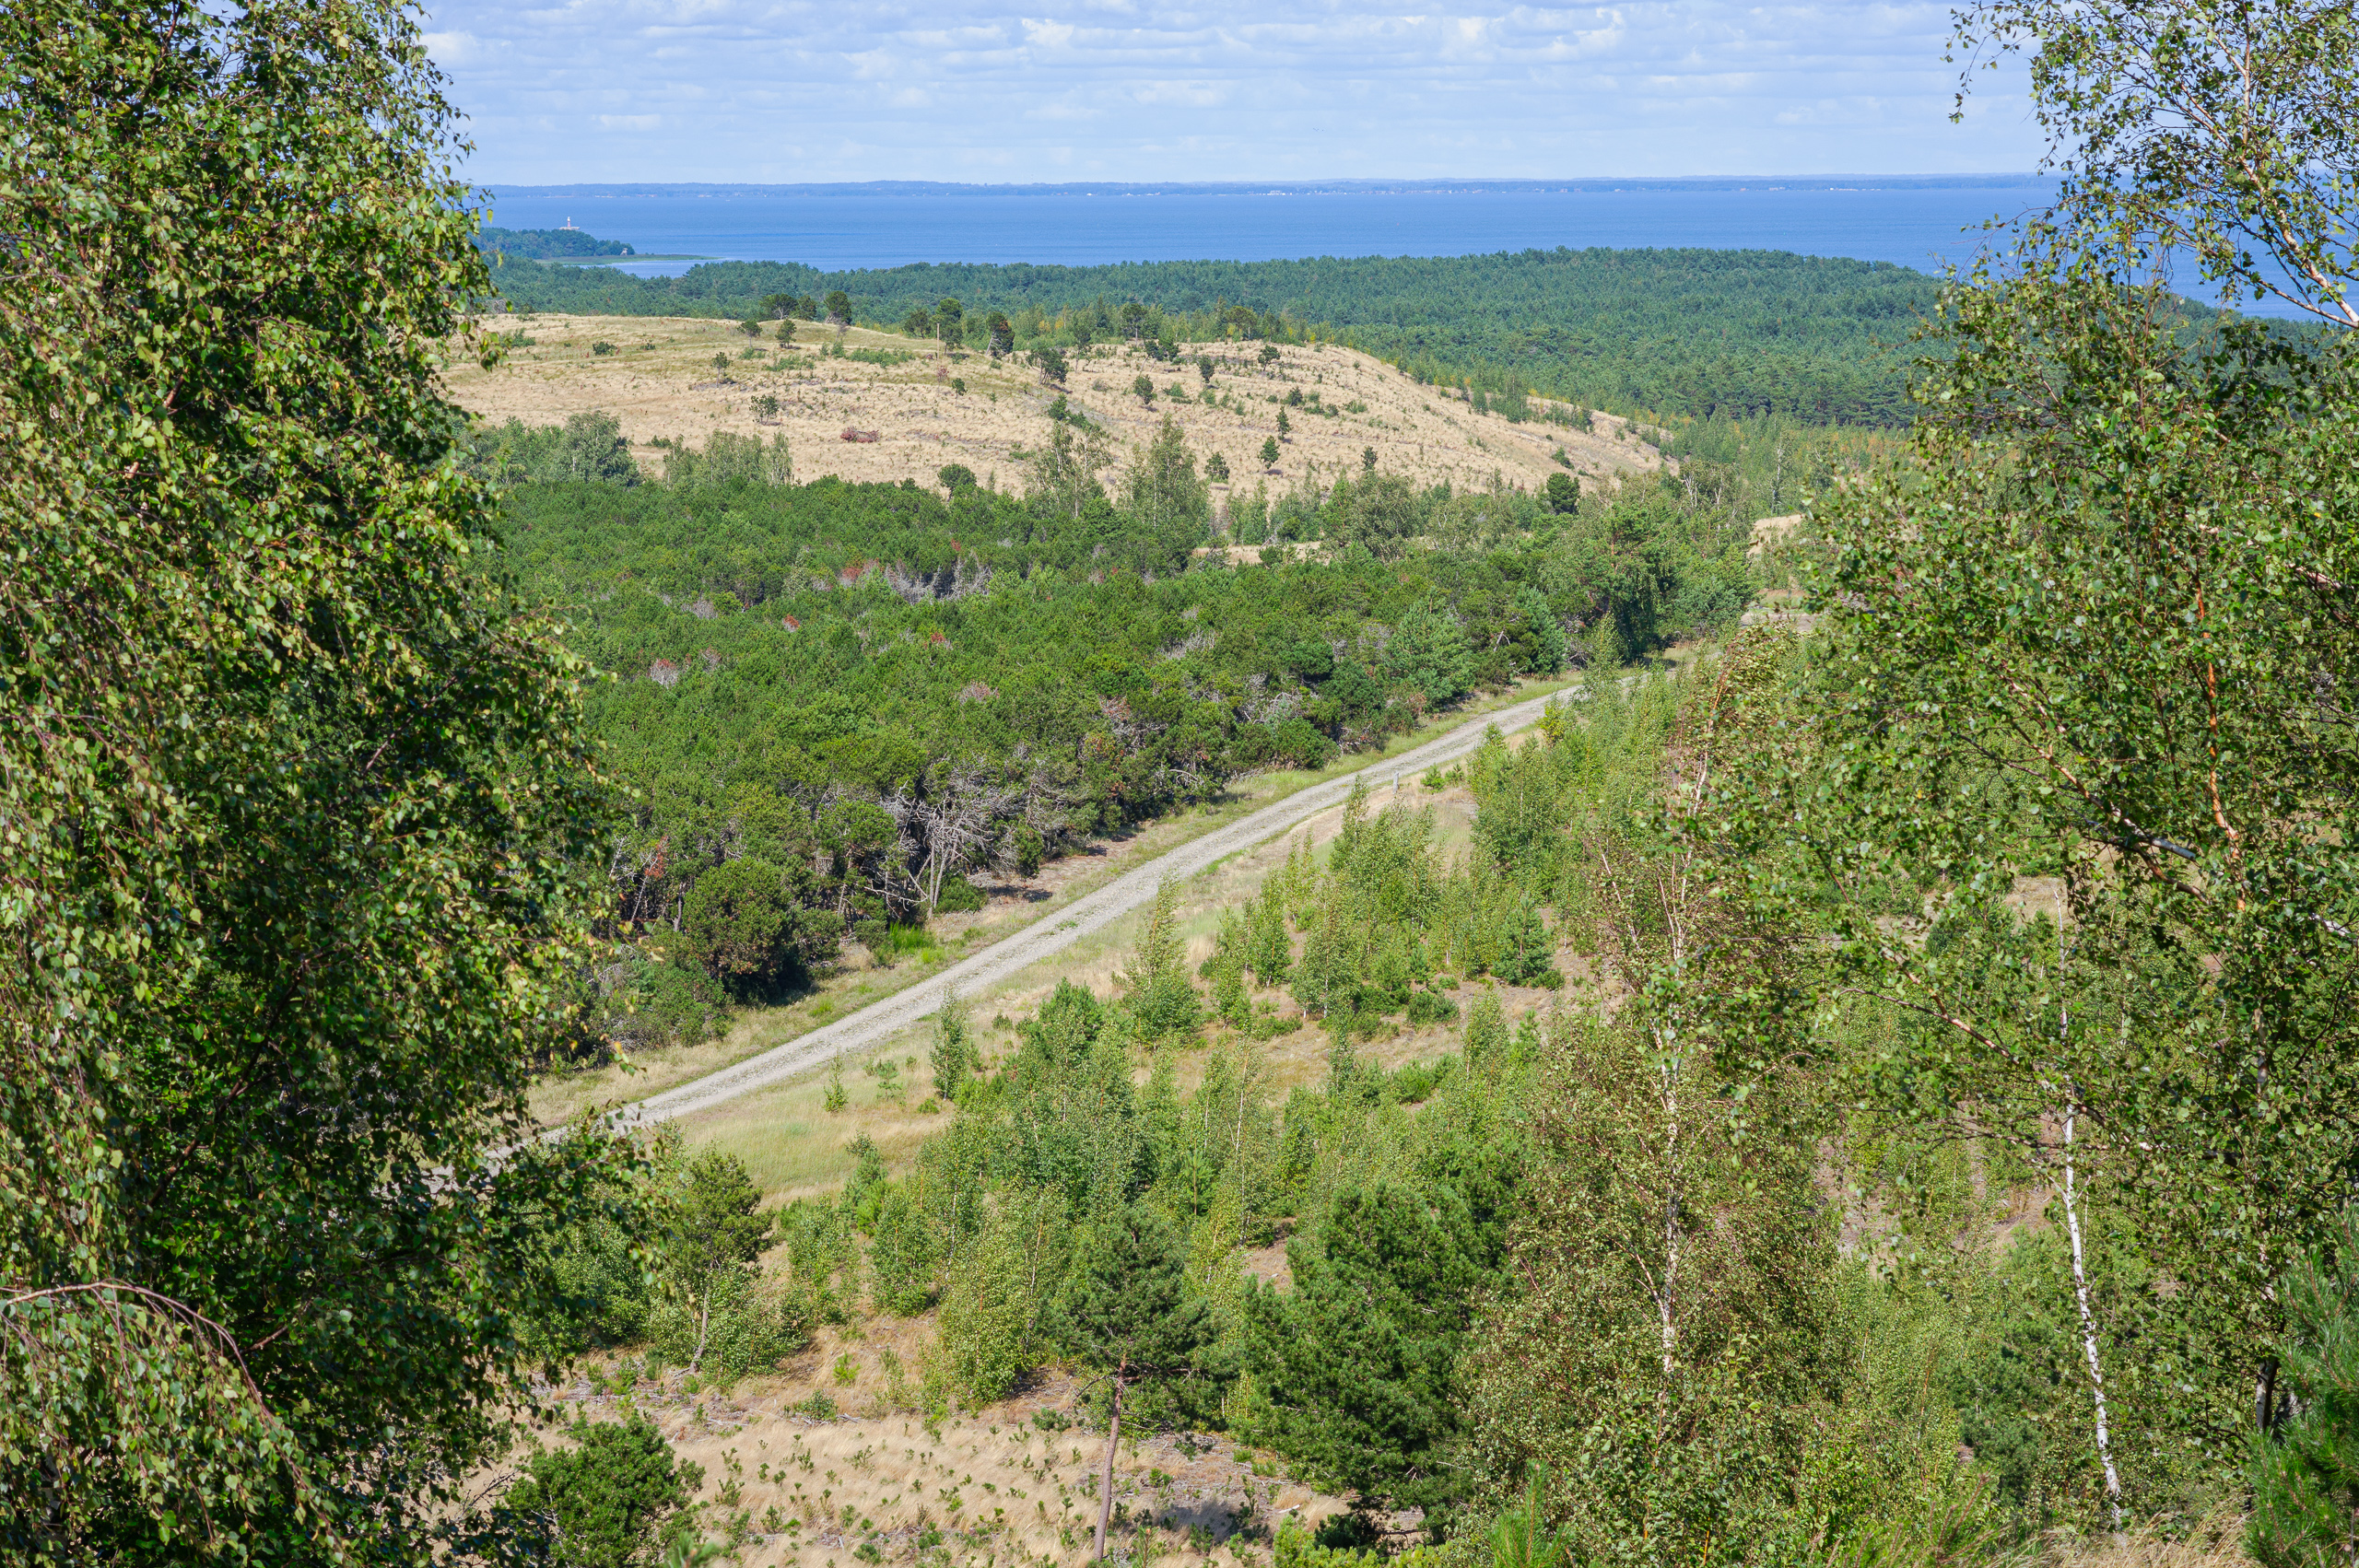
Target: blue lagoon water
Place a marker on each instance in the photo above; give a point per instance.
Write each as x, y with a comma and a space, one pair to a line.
1917, 225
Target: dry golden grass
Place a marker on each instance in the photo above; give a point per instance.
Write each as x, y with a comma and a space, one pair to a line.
1001, 1488
2216, 1541
659, 382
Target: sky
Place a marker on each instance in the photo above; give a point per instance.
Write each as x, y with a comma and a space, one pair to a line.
786, 91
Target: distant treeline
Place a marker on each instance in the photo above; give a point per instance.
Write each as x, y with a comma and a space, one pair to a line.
542, 243
1732, 335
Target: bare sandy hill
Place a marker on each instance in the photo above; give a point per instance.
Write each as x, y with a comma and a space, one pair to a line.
659, 377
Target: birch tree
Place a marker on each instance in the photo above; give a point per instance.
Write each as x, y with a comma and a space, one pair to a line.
2096, 633
1666, 1327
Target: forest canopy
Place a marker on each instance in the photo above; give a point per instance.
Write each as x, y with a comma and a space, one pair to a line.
1732, 333
901, 687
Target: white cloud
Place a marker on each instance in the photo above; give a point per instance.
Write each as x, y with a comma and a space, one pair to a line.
1213, 90
449, 48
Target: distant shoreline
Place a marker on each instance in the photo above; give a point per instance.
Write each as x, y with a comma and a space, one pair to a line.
1586, 186
614, 261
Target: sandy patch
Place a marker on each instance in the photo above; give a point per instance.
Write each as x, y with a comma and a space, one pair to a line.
1015, 1482
659, 380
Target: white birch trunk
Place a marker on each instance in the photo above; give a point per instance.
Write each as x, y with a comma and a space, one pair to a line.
2088, 1324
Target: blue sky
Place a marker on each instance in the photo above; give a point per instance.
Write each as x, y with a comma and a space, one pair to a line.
788, 91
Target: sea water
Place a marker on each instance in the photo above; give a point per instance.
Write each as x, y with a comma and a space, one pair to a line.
1925, 222
1921, 225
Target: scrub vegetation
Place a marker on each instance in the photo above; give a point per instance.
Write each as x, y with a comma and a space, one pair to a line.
1866, 1080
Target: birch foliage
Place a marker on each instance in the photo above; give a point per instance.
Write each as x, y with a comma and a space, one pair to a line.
294, 800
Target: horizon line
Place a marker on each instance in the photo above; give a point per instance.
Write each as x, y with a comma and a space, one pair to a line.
1257, 187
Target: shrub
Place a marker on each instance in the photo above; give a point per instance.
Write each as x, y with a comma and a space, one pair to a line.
958, 896
739, 922
603, 1501
602, 348
985, 1345
1297, 740
646, 998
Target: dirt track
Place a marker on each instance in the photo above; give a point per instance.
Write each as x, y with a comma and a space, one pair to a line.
880, 1021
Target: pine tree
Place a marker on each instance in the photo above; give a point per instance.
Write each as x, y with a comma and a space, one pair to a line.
1268, 951
953, 1048
609, 1495
1486, 1034
2305, 1461
1127, 1310
1356, 1364
837, 1098
1160, 996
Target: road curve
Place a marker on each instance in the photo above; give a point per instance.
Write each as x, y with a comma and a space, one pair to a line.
881, 1019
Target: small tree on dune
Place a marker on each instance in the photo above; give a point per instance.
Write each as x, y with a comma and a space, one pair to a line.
1127, 1310
953, 1057
1161, 997
608, 1496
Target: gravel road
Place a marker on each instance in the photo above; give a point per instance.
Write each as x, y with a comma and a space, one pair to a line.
881, 1019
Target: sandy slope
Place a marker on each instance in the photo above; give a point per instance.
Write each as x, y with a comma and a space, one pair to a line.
995, 1484
660, 381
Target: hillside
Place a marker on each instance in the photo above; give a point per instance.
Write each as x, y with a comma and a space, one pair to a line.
1693, 333
660, 381
872, 1415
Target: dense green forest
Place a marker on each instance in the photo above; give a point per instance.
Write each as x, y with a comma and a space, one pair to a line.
541, 244
1734, 335
907, 685
1901, 1102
